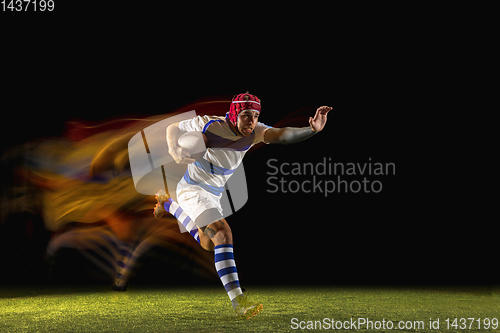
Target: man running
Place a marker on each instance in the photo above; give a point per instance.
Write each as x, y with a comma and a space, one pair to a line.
200, 190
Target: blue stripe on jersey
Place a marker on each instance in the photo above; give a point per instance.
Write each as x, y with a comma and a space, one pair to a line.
209, 188
208, 167
209, 123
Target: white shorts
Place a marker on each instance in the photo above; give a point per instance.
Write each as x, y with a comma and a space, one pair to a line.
194, 200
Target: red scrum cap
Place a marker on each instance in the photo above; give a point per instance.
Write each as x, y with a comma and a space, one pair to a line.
240, 103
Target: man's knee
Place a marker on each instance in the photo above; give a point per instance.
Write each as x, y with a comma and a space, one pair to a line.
219, 232
205, 242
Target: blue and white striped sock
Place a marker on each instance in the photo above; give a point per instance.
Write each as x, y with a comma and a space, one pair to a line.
173, 208
226, 268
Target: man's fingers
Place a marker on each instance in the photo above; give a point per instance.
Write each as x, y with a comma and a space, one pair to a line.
186, 157
186, 160
325, 109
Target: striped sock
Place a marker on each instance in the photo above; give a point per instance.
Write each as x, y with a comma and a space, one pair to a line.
173, 208
226, 268
124, 256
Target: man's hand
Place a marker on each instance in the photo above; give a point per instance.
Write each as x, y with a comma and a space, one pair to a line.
287, 135
181, 156
318, 122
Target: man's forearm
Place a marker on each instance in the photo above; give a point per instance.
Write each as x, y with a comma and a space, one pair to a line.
180, 155
289, 135
173, 133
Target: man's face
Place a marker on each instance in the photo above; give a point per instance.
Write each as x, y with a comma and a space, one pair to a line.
246, 122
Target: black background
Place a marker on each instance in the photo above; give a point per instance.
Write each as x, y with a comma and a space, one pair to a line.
391, 98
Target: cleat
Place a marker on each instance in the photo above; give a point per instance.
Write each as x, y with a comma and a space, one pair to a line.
159, 210
247, 308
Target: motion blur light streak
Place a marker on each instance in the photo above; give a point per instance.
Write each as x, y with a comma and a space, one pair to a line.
81, 186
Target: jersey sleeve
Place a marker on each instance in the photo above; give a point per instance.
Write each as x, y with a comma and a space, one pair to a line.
260, 129
195, 124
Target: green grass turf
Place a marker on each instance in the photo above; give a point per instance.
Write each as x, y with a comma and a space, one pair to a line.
161, 309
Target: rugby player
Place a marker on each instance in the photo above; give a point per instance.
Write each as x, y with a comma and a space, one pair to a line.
199, 191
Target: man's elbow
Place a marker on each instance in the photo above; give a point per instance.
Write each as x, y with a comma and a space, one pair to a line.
280, 137
284, 140
171, 129
171, 126
286, 137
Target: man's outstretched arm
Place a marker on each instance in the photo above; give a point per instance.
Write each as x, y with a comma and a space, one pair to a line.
288, 135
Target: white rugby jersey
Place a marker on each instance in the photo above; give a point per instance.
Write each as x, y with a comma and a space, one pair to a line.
225, 153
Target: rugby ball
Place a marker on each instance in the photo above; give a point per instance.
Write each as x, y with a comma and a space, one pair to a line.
195, 143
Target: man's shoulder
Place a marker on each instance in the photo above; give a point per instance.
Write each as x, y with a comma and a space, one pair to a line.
203, 119
206, 118
215, 118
